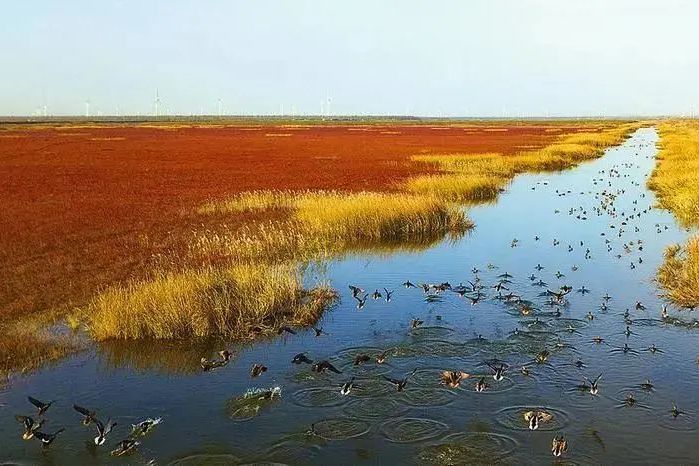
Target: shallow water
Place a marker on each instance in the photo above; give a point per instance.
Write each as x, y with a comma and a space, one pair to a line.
204, 421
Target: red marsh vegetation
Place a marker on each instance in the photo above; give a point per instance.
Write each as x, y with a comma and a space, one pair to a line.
83, 207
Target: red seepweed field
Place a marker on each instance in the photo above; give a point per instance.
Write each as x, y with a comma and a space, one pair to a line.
83, 207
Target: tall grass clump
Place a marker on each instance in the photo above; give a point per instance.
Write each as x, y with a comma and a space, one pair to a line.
679, 273
366, 216
328, 222
228, 302
675, 176
675, 182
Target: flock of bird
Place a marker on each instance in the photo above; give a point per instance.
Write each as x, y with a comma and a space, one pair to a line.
624, 223
32, 426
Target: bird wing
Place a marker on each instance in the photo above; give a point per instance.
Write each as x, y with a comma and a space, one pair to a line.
35, 402
81, 410
100, 427
42, 436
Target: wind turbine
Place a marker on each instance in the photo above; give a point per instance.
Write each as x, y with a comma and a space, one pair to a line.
220, 112
87, 108
157, 104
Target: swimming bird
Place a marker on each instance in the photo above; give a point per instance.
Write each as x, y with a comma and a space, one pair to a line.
481, 385
347, 387
453, 378
323, 366
535, 418
212, 364
125, 447
594, 385
88, 416
388, 295
675, 411
319, 331
498, 371
499, 286
312, 430
640, 306
361, 359
361, 301
559, 445
144, 427
539, 267
376, 295
558, 295
542, 356
257, 370
47, 439
415, 323
664, 314
40, 405
401, 383
103, 430
647, 385
381, 358
301, 358
630, 399
30, 425
408, 284
356, 291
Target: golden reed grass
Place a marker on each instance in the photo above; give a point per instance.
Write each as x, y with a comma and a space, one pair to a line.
675, 182
679, 273
229, 302
477, 178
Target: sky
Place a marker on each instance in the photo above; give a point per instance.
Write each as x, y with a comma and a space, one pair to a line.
351, 57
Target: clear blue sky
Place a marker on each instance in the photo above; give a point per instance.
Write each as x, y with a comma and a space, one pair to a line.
462, 57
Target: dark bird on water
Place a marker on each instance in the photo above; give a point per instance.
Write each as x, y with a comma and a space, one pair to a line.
301, 358
40, 405
323, 366
88, 416
401, 383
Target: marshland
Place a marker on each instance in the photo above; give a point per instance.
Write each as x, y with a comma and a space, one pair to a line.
349, 233
460, 269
